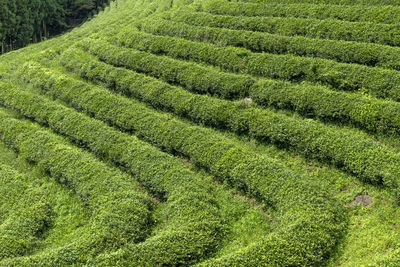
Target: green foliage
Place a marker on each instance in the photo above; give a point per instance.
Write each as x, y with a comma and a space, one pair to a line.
306, 99
264, 187
204, 149
374, 115
343, 51
260, 177
40, 107
311, 100
26, 21
387, 34
29, 213
316, 140
195, 77
321, 10
192, 216
120, 209
379, 82
332, 2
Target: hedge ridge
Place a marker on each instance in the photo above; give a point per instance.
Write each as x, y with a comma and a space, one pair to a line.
310, 138
343, 51
374, 115
121, 210
28, 217
193, 215
377, 81
354, 13
193, 76
385, 34
336, 2
259, 177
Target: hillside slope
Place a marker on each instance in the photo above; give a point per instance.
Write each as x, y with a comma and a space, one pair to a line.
209, 133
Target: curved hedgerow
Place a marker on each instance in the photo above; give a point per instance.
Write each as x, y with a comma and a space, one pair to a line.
379, 82
374, 115
193, 76
194, 216
260, 177
343, 51
29, 214
336, 2
311, 138
375, 14
120, 209
386, 34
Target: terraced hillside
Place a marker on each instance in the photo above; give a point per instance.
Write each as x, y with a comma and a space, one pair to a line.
207, 133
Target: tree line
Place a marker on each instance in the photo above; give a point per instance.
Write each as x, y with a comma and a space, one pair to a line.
30, 21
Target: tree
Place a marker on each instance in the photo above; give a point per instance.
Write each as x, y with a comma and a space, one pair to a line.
7, 21
26, 21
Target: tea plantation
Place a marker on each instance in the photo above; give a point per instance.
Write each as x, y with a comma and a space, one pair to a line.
205, 133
